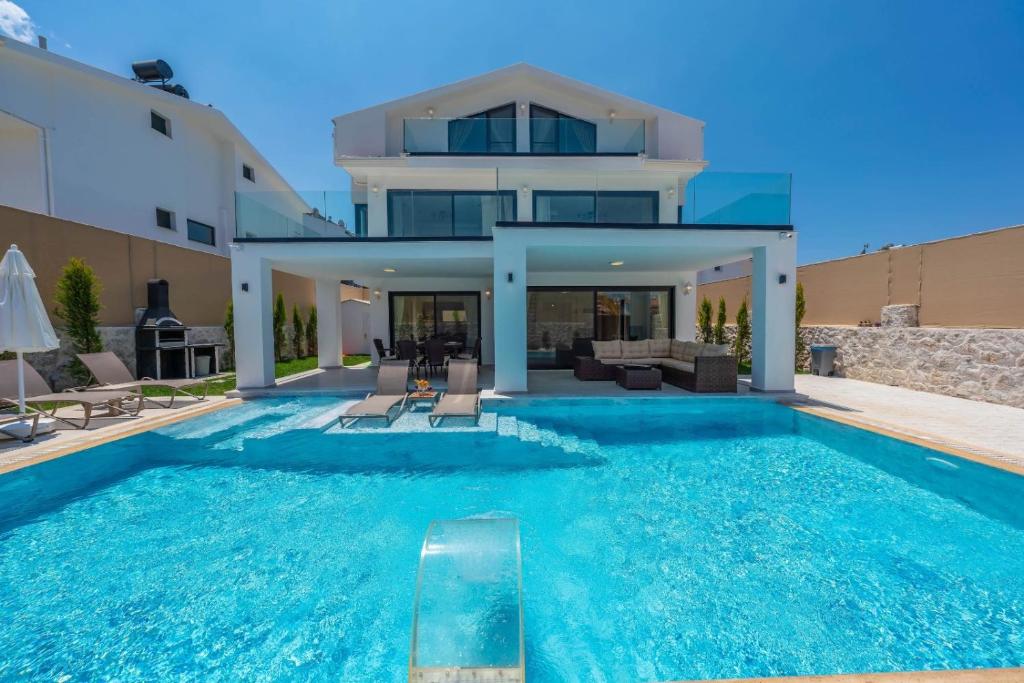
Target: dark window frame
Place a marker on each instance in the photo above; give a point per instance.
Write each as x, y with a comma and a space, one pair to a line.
203, 226
486, 115
452, 194
653, 194
249, 173
432, 293
549, 114
171, 223
361, 219
164, 127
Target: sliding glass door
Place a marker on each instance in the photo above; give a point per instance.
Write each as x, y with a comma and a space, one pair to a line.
559, 319
419, 316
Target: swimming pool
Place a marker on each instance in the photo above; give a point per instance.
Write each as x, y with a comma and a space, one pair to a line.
661, 539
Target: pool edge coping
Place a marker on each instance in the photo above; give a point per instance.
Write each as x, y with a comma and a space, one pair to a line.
995, 675
116, 433
997, 460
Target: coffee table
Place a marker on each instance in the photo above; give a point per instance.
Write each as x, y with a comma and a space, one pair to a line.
638, 376
418, 397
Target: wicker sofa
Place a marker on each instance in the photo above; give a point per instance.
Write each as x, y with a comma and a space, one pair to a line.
689, 365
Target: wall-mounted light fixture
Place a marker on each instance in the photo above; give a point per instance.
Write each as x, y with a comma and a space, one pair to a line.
687, 288
785, 235
487, 293
511, 276
430, 112
611, 113
376, 294
671, 191
525, 189
782, 279
375, 189
522, 106
245, 286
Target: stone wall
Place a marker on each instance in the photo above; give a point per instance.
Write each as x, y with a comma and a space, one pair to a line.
980, 364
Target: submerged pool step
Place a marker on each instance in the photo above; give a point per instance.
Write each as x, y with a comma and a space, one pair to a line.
524, 430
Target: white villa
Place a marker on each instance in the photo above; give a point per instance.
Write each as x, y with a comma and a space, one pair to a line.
527, 210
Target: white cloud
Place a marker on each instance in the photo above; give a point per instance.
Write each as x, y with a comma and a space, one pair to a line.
15, 22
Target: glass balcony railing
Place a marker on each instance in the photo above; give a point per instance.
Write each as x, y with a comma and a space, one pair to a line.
517, 194
545, 136
738, 199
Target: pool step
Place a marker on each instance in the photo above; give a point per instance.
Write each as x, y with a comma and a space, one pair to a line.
530, 432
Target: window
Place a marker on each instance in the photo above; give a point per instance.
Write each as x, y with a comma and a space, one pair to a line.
554, 133
361, 219
573, 206
165, 219
160, 124
201, 232
248, 173
446, 213
454, 316
492, 131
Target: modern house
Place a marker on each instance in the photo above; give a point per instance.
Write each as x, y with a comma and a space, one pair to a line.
85, 145
529, 210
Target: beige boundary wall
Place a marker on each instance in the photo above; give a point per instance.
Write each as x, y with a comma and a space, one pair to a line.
200, 283
975, 281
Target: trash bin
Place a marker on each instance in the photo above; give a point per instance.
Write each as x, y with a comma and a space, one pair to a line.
823, 360
202, 366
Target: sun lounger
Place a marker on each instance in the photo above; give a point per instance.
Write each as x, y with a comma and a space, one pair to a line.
13, 426
38, 393
462, 398
112, 374
392, 390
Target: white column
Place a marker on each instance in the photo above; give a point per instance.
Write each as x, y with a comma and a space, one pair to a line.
509, 314
252, 291
773, 338
328, 330
686, 306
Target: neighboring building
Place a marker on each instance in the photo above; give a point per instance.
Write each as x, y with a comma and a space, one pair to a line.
529, 210
89, 146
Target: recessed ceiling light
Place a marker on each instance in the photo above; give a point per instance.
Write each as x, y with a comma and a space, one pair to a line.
615, 264
390, 270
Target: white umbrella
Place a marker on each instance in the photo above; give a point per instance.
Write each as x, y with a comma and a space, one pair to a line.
24, 325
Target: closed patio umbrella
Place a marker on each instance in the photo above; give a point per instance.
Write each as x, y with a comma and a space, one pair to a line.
24, 325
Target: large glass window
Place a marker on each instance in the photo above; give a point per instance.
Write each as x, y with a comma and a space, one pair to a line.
455, 316
491, 131
552, 132
444, 213
560, 321
550, 206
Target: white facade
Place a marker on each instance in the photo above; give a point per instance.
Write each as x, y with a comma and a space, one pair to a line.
77, 143
628, 161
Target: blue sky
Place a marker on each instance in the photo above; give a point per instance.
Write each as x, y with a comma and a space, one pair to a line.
900, 121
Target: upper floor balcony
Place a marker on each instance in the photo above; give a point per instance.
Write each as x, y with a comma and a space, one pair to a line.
552, 135
517, 198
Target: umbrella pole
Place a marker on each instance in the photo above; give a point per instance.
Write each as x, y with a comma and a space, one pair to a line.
21, 385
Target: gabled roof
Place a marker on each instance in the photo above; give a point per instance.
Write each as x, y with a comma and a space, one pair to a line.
527, 71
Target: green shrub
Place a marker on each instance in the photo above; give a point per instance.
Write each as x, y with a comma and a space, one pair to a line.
299, 332
279, 319
311, 345
801, 308
704, 321
78, 305
719, 330
229, 330
741, 344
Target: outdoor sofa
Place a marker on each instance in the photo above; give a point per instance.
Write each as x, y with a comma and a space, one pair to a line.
693, 366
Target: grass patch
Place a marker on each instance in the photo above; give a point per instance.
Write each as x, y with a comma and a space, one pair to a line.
354, 359
221, 386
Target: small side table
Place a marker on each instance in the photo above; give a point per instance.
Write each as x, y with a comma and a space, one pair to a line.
417, 398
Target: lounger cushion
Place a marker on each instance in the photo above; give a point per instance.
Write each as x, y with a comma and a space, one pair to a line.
636, 349
607, 349
676, 364
377, 406
456, 404
661, 348
713, 350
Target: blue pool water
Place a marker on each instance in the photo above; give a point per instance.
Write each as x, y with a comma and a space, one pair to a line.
661, 539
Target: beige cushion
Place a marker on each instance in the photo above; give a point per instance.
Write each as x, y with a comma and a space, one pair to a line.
607, 349
661, 348
631, 361
636, 349
676, 349
676, 364
713, 350
690, 351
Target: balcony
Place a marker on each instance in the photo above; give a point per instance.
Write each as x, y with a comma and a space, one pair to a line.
562, 199
546, 136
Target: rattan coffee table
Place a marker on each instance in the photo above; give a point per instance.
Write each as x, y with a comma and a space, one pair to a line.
638, 377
